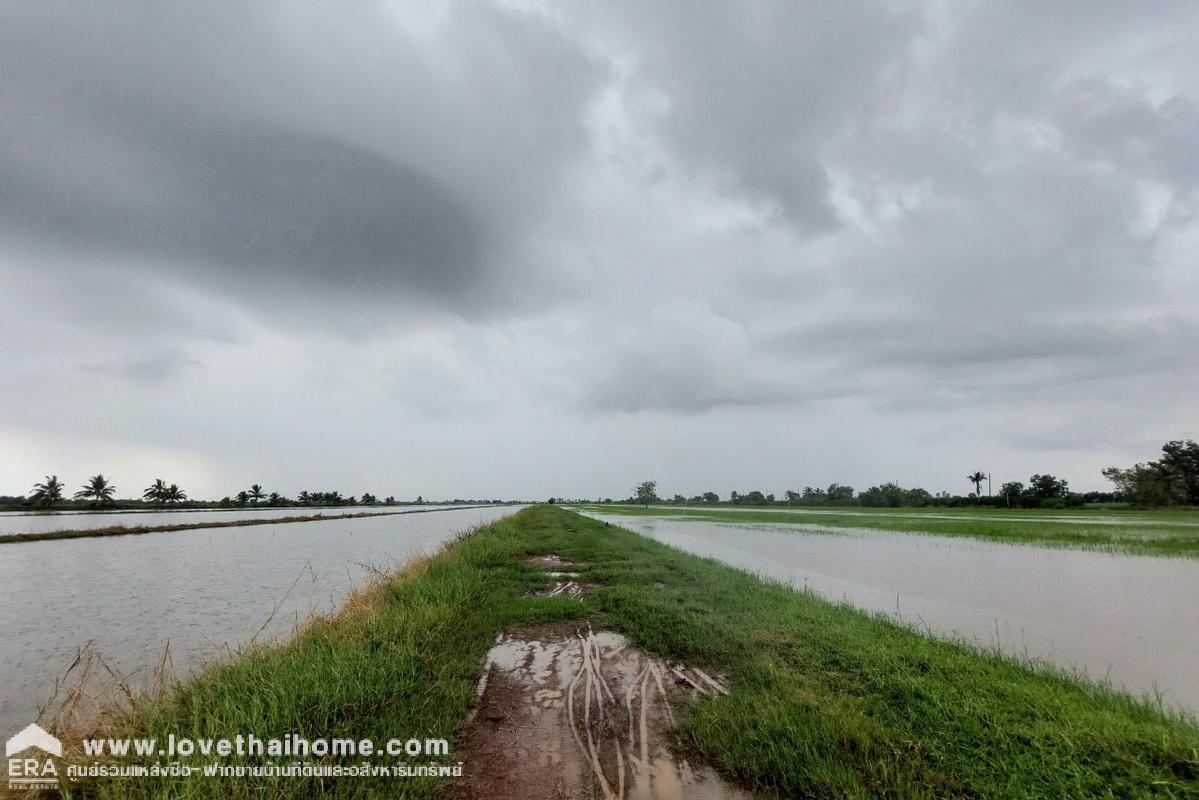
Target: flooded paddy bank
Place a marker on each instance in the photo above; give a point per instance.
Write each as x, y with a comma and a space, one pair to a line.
49, 522
1144, 533
129, 530
1124, 618
203, 591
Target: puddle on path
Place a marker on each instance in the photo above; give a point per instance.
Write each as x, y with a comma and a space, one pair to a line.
553, 562
566, 588
568, 713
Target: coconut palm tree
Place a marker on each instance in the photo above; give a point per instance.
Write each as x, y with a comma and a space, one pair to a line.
48, 493
977, 477
242, 498
256, 493
174, 495
305, 498
98, 488
156, 492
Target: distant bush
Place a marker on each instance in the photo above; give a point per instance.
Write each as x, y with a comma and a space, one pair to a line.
1069, 501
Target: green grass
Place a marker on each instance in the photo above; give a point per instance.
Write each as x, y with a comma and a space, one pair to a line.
826, 701
1147, 533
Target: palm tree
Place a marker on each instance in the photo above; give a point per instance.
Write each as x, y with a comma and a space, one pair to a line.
156, 492
255, 494
305, 498
48, 493
174, 495
98, 488
275, 498
977, 477
242, 498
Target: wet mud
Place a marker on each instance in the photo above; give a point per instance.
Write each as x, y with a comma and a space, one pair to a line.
565, 712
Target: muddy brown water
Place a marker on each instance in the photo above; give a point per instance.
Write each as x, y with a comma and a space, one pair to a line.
565, 712
1129, 619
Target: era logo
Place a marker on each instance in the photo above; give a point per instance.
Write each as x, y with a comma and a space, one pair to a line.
30, 772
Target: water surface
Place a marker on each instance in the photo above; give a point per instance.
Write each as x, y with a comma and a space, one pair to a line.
967, 515
25, 522
201, 590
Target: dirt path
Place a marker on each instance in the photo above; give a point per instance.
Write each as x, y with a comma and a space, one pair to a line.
567, 713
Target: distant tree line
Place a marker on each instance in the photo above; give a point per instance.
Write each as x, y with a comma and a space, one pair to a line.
1043, 491
1173, 480
255, 495
98, 492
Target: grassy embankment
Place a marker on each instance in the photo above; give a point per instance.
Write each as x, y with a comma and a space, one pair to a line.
826, 701
1147, 533
128, 530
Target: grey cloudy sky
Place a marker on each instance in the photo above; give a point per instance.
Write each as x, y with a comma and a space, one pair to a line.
523, 249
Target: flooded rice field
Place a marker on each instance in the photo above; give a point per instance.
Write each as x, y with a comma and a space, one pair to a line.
1130, 619
201, 590
17, 522
965, 515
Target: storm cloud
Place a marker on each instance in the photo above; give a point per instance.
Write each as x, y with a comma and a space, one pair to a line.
521, 248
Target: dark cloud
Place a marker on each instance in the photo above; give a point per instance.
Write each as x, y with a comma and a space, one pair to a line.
274, 209
297, 151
